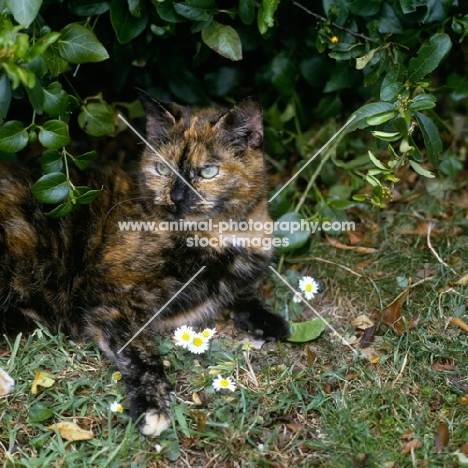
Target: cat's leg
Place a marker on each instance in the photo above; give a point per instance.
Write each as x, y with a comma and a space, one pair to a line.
6, 383
140, 365
250, 314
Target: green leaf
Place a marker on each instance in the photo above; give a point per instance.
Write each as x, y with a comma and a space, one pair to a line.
84, 160
422, 102
97, 119
224, 40
88, 7
387, 136
429, 56
24, 11
167, 12
36, 96
78, 44
55, 99
55, 62
361, 62
392, 84
39, 412
301, 332
378, 119
196, 10
431, 138
126, 26
282, 74
266, 12
51, 188
5, 95
42, 44
85, 195
294, 240
420, 170
246, 11
375, 161
13, 136
368, 110
61, 210
54, 134
51, 161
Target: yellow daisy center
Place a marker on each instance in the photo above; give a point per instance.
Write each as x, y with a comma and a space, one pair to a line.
308, 287
185, 336
197, 341
224, 383
206, 333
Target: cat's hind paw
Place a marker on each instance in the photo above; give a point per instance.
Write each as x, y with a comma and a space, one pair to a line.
153, 423
6, 383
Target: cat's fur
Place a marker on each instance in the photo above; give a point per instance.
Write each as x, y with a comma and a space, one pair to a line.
94, 281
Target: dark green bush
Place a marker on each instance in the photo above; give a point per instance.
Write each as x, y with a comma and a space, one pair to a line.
70, 66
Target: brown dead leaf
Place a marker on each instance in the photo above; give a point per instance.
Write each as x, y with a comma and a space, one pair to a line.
464, 448
463, 400
369, 335
414, 322
371, 354
442, 367
42, 379
355, 237
71, 431
364, 264
311, 357
457, 322
442, 437
294, 427
463, 281
407, 436
200, 418
362, 322
391, 315
411, 445
358, 249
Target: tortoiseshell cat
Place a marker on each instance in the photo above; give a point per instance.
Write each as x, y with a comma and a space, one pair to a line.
94, 281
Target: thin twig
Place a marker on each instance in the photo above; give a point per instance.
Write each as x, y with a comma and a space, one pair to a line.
324, 20
319, 259
436, 255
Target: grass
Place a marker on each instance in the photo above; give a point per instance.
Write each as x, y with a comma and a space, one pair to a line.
308, 405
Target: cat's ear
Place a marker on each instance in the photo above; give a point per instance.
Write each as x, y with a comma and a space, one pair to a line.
243, 124
159, 115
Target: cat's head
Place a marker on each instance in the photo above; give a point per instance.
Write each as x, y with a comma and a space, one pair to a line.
203, 163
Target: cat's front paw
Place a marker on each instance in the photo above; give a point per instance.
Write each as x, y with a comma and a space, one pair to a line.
263, 324
6, 383
153, 423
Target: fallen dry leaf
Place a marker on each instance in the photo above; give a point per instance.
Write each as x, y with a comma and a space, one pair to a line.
463, 400
442, 437
358, 249
71, 431
311, 357
369, 335
457, 322
411, 445
463, 281
391, 315
442, 367
371, 354
362, 322
42, 379
364, 264
355, 237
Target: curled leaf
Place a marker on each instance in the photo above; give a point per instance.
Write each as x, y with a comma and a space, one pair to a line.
42, 379
442, 437
71, 431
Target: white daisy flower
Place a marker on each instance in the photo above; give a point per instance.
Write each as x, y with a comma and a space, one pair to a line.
297, 297
116, 407
116, 376
309, 287
209, 333
183, 336
220, 383
199, 344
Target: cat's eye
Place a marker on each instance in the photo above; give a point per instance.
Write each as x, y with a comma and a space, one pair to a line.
163, 169
208, 172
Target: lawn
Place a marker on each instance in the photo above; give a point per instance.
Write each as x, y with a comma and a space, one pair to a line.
398, 401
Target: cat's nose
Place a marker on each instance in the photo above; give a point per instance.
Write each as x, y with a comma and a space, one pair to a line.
177, 194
